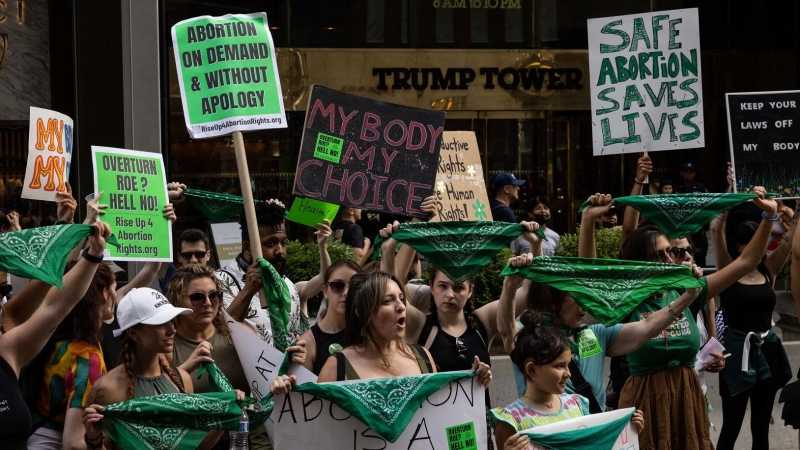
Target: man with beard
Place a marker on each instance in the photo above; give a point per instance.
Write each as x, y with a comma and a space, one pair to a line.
241, 280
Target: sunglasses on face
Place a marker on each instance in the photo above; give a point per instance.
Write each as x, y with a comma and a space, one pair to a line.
188, 255
664, 256
198, 298
679, 253
337, 287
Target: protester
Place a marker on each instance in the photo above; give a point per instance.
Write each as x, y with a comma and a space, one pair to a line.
506, 187
19, 345
606, 220
791, 392
748, 306
559, 309
348, 232
68, 366
539, 213
543, 354
193, 248
203, 334
781, 227
240, 281
148, 331
666, 187
326, 337
663, 383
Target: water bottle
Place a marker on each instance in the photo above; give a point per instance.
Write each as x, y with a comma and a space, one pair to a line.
240, 439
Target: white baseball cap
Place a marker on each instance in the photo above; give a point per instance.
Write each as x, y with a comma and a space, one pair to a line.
147, 306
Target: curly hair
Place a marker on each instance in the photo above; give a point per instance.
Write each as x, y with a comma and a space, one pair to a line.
179, 283
268, 214
85, 320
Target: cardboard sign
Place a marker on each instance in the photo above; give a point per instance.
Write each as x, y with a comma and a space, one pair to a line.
227, 237
49, 154
311, 212
764, 131
368, 154
628, 439
452, 418
460, 187
228, 74
134, 187
261, 362
645, 82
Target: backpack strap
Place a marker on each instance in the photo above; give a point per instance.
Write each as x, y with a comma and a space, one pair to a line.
582, 387
423, 357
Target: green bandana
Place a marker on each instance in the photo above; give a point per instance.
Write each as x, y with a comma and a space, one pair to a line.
679, 215
215, 206
41, 253
279, 303
385, 405
172, 421
458, 249
597, 437
608, 289
547, 320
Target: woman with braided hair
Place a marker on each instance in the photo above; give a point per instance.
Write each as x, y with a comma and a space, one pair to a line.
147, 327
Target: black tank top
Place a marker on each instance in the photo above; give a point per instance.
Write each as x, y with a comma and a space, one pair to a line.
444, 350
15, 418
323, 342
748, 307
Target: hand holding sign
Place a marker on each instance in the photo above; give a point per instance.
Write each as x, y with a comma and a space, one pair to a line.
66, 205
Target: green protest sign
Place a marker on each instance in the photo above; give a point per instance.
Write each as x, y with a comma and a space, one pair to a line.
134, 187
461, 437
646, 82
228, 74
311, 212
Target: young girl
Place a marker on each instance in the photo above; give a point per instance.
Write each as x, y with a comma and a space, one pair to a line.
542, 353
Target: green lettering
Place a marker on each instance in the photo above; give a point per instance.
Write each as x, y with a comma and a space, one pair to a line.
639, 34
632, 95
632, 137
609, 29
656, 134
671, 118
695, 98
603, 96
622, 73
673, 33
657, 27
656, 100
607, 139
643, 70
687, 120
673, 65
606, 71
689, 65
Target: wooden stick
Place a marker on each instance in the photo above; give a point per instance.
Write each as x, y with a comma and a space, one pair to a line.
249, 204
646, 177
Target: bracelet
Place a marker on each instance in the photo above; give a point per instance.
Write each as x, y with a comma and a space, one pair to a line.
675, 317
95, 442
774, 219
640, 183
91, 258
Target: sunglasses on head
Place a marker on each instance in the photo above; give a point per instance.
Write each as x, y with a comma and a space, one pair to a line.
337, 287
200, 297
188, 255
678, 253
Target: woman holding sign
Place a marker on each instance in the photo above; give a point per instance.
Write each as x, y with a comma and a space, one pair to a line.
663, 382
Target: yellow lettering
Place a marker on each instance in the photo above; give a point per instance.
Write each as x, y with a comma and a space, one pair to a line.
54, 169
51, 135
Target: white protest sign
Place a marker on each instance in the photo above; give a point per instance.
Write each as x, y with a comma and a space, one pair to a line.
49, 154
453, 418
646, 82
227, 238
261, 363
628, 439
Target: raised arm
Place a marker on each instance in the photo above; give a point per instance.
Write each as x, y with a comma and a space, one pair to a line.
777, 259
310, 288
21, 344
751, 255
507, 325
634, 334
630, 222
721, 256
22, 306
600, 204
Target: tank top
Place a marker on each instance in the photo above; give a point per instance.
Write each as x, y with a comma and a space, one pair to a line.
15, 418
444, 350
323, 342
150, 386
344, 371
748, 307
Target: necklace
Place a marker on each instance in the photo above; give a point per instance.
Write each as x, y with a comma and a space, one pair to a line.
549, 405
752, 275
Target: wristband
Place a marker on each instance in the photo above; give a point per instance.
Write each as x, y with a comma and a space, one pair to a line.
675, 317
91, 258
774, 219
640, 183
